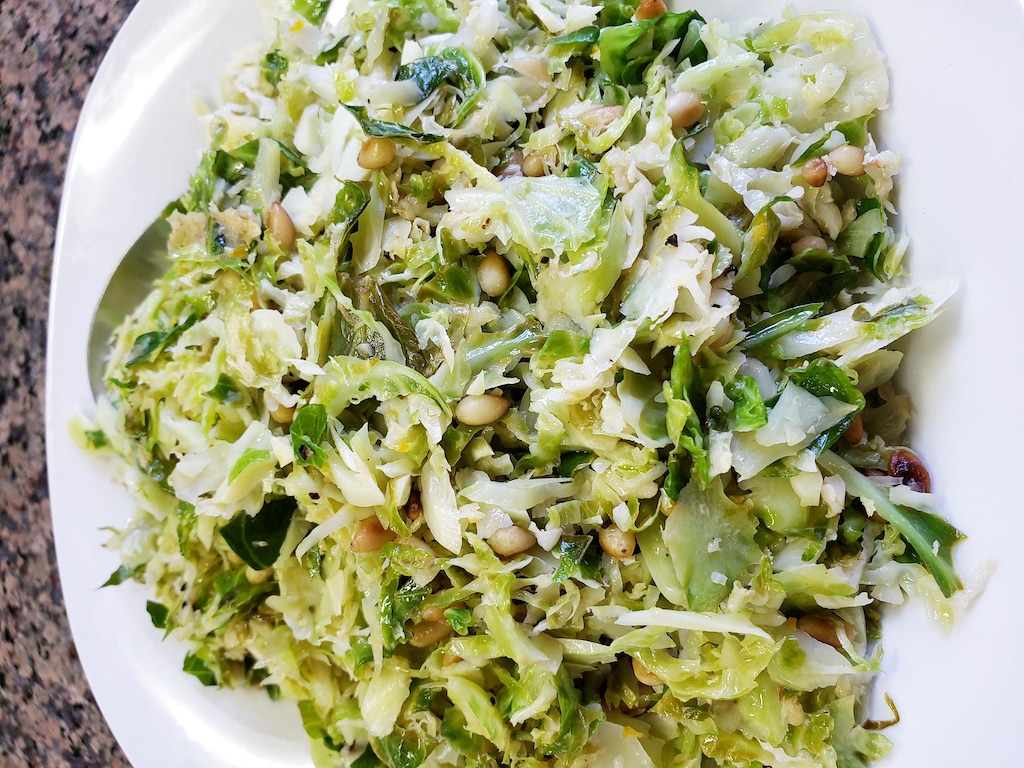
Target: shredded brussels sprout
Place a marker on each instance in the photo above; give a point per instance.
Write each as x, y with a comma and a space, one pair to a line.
519, 394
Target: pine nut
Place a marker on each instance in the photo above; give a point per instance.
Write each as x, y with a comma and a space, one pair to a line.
599, 118
855, 432
429, 632
650, 9
283, 414
257, 577
533, 166
433, 613
478, 410
905, 464
510, 541
494, 274
414, 507
644, 675
376, 153
436, 612
722, 337
848, 160
821, 629
684, 109
279, 225
815, 172
617, 543
809, 243
371, 536
513, 167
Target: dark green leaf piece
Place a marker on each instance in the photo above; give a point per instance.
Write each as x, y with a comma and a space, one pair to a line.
385, 311
382, 129
257, 539
198, 668
307, 430
582, 41
315, 727
460, 68
402, 749
121, 575
749, 412
351, 201
573, 461
368, 760
570, 552
312, 10
157, 614
275, 67
96, 438
776, 326
152, 343
225, 391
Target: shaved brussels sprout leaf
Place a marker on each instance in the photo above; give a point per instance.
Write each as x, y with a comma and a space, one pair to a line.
823, 378
931, 537
627, 49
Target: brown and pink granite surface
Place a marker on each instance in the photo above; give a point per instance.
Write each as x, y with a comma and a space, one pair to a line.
49, 51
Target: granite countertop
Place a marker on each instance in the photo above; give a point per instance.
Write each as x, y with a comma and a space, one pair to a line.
51, 49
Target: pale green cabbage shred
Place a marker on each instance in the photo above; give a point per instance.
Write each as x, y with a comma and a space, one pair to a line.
649, 395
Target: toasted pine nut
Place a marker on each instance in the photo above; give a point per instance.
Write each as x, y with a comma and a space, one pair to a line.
848, 160
376, 153
478, 410
599, 118
533, 166
793, 711
617, 543
644, 675
855, 432
815, 172
821, 629
283, 414
494, 274
371, 536
414, 507
722, 337
257, 577
513, 167
433, 613
684, 109
510, 541
429, 632
809, 243
436, 612
279, 225
905, 464
650, 9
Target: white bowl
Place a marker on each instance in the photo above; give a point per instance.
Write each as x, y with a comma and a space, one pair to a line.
957, 108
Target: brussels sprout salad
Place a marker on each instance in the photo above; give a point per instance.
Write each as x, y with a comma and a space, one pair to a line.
521, 393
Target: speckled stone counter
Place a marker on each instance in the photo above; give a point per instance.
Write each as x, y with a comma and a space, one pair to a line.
49, 52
